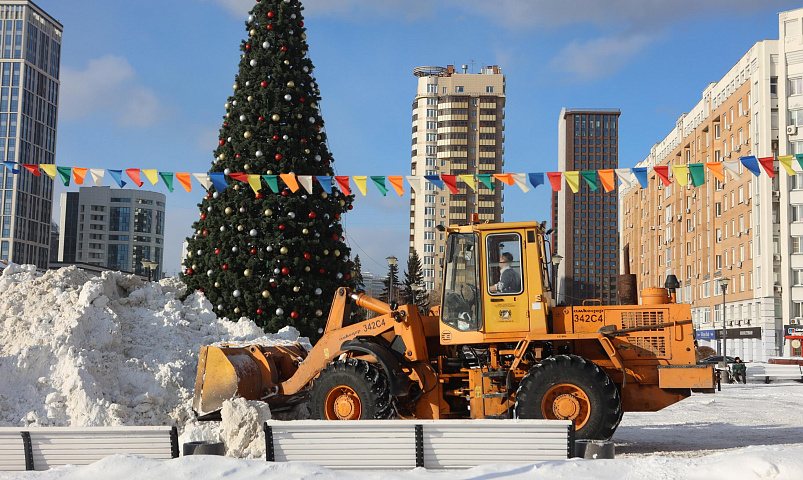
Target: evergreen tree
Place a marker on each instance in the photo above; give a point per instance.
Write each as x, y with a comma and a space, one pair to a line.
393, 276
414, 277
356, 274
275, 256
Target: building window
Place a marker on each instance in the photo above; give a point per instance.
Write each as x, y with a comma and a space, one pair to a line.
796, 86
432, 88
142, 220
119, 218
797, 213
797, 277
797, 244
458, 89
489, 89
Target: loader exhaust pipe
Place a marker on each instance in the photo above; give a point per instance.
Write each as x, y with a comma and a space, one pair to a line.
371, 303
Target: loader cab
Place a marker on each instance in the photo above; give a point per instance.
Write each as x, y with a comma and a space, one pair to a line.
461, 307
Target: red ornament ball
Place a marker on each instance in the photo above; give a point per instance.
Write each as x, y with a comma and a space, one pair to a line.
273, 284
275, 138
284, 49
285, 271
206, 232
335, 236
294, 314
263, 84
312, 215
303, 140
217, 251
285, 193
261, 118
351, 207
258, 195
190, 271
248, 47
271, 14
321, 270
278, 156
348, 276
300, 24
225, 124
237, 156
307, 256
201, 290
282, 227
337, 216
222, 142
270, 27
208, 195
225, 267
203, 216
259, 311
301, 99
253, 251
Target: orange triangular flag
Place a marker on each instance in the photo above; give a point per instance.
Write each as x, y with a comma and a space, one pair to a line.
290, 180
184, 179
78, 175
398, 183
608, 179
717, 169
505, 178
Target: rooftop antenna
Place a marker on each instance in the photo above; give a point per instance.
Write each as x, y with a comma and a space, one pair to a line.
472, 65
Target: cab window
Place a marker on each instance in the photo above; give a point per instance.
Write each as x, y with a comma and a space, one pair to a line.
461, 303
504, 264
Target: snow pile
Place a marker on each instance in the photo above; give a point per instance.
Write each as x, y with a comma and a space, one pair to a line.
82, 350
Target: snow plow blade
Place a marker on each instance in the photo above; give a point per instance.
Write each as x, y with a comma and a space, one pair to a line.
253, 372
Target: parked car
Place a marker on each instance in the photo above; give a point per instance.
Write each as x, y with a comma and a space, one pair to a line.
715, 359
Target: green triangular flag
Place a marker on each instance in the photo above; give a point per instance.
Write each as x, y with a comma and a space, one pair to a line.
64, 174
590, 176
273, 182
380, 184
799, 158
167, 177
486, 180
697, 171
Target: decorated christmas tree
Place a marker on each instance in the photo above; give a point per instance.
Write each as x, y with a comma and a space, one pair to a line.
269, 243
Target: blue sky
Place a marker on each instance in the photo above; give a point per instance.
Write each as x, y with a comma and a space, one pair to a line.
144, 82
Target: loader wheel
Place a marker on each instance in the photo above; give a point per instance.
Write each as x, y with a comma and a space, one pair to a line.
569, 387
350, 389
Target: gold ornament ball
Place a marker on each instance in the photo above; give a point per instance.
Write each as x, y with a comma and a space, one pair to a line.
189, 254
247, 134
306, 150
240, 228
250, 98
236, 309
303, 52
291, 84
247, 273
303, 36
337, 253
268, 212
269, 172
227, 105
265, 294
222, 156
283, 250
247, 167
296, 289
228, 115
306, 269
194, 266
326, 252
318, 137
305, 231
324, 195
228, 210
217, 284
286, 62
298, 116
275, 117
342, 203
234, 87
236, 187
318, 313
252, 32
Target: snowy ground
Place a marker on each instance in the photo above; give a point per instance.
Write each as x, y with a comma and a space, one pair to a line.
88, 351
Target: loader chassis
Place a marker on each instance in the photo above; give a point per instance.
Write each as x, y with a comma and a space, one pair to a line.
489, 351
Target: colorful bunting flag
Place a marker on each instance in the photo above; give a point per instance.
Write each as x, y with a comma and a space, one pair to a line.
379, 181
556, 179
306, 182
750, 163
469, 180
290, 180
203, 179
625, 175
167, 177
133, 173
573, 180
786, 162
326, 183
361, 181
184, 180
151, 175
521, 181
535, 179
34, 169
590, 176
435, 180
716, 169
255, 181
769, 165
97, 175
12, 167
218, 180
697, 172
451, 183
273, 182
504, 178
64, 175
641, 176
663, 173
343, 182
486, 180
398, 183
681, 174
608, 179
733, 166
78, 175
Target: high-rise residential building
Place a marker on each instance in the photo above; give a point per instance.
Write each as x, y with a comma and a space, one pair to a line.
585, 222
737, 226
458, 129
119, 229
30, 51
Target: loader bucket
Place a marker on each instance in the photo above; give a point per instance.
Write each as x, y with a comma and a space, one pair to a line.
253, 372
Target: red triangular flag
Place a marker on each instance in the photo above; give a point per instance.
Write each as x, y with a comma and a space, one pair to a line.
343, 182
33, 169
239, 176
451, 182
134, 174
769, 165
663, 173
556, 179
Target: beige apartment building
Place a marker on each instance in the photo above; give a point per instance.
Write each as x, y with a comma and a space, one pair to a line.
747, 229
458, 129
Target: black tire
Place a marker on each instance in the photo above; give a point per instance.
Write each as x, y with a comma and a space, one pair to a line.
569, 387
351, 389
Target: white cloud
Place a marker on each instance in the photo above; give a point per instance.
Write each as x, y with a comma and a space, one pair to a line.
108, 86
599, 56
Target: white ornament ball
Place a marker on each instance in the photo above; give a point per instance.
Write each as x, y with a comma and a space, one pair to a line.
288, 97
258, 153
285, 137
209, 273
291, 214
243, 118
248, 84
217, 284
208, 209
339, 275
317, 158
306, 269
318, 313
293, 16
227, 171
236, 293
234, 249
220, 307
250, 18
222, 228
318, 291
200, 252
279, 311
277, 271
306, 70
269, 248
253, 232
242, 209
253, 62
216, 195
311, 119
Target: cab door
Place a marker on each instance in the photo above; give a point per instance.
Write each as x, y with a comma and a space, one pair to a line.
505, 302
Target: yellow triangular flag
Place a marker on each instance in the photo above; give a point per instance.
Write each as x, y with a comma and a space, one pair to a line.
681, 174
152, 175
786, 161
361, 181
573, 179
469, 179
49, 169
256, 182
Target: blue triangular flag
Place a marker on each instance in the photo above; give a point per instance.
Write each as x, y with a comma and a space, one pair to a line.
751, 163
10, 166
218, 180
117, 175
326, 183
536, 179
641, 176
435, 180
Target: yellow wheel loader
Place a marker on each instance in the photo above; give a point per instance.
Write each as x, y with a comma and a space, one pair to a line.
497, 347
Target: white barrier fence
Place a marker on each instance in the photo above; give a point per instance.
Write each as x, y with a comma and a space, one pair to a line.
406, 444
41, 448
768, 371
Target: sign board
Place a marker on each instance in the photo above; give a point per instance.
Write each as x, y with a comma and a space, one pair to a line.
793, 330
733, 333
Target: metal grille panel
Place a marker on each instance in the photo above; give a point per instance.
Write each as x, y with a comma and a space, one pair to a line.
642, 319
650, 346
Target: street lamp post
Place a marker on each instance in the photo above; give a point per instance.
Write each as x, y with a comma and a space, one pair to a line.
391, 262
723, 283
556, 259
149, 267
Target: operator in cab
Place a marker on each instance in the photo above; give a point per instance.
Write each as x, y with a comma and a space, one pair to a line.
509, 279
